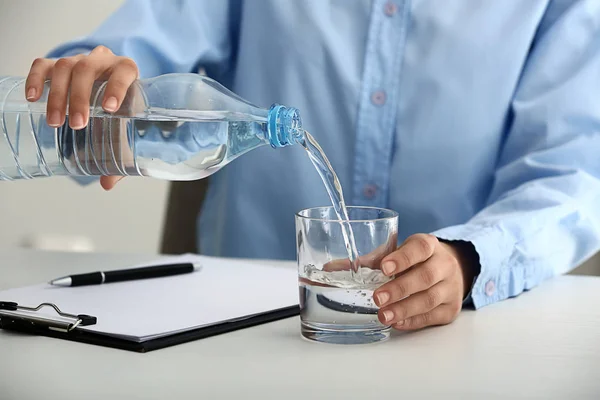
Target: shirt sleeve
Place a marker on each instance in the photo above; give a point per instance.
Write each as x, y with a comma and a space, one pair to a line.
167, 36
542, 218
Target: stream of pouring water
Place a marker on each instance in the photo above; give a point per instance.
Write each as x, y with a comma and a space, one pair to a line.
334, 189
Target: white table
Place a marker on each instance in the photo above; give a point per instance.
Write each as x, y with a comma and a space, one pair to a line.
544, 344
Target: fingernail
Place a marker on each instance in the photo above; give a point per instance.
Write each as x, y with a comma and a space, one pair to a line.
110, 104
400, 323
388, 267
31, 94
388, 315
382, 298
54, 119
77, 121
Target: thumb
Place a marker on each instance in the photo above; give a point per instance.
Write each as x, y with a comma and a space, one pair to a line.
109, 182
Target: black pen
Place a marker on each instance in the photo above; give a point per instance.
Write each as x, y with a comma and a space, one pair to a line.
98, 278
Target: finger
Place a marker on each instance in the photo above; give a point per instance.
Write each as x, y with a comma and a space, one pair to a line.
109, 182
85, 73
374, 258
441, 315
59, 89
417, 248
101, 51
417, 279
124, 73
342, 264
371, 260
38, 73
416, 304
313, 283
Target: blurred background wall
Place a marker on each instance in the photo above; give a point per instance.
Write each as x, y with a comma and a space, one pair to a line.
56, 212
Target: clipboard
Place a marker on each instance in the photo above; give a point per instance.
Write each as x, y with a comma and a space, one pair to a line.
18, 318
147, 315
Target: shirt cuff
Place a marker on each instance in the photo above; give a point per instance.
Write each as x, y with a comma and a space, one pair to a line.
494, 247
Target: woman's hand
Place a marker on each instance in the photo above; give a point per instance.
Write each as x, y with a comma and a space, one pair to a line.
72, 80
432, 279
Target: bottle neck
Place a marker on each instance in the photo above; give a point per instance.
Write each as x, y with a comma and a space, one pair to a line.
284, 126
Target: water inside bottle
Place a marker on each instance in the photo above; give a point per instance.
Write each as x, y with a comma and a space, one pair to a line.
110, 145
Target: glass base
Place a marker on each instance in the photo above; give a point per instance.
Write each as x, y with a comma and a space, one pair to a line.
344, 334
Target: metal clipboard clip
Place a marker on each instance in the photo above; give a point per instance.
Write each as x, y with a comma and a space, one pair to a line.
10, 312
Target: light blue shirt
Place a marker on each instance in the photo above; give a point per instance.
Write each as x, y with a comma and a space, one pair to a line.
474, 120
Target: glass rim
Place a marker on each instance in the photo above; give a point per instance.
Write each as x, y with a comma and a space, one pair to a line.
394, 214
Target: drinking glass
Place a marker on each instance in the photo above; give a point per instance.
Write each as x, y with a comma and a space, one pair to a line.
336, 300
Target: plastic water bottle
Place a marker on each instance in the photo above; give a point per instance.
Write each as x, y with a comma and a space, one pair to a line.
174, 127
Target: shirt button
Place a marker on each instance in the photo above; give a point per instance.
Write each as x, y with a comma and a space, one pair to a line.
390, 8
378, 97
490, 288
370, 191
